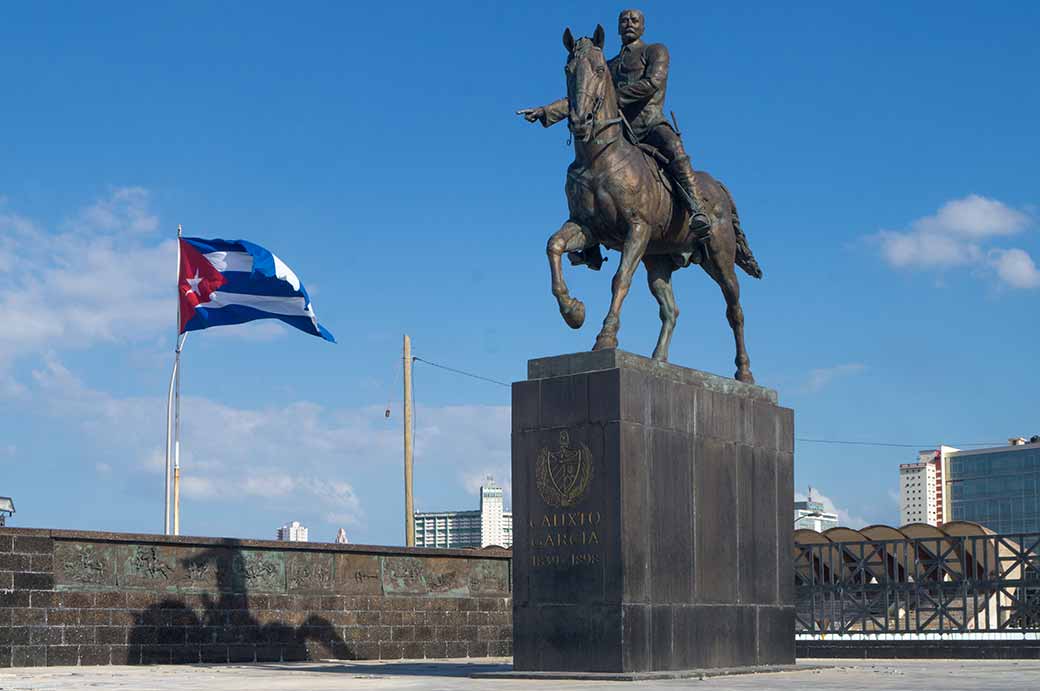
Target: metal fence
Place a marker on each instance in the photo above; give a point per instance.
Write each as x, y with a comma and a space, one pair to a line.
965, 584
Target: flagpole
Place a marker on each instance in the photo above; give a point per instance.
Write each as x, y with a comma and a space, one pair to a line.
177, 440
169, 397
170, 394
409, 516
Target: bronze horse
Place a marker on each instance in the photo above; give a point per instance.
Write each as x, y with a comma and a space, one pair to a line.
618, 197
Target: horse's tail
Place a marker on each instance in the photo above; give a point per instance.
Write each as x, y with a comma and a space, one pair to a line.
744, 258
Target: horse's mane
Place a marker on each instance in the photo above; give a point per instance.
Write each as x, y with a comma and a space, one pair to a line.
583, 45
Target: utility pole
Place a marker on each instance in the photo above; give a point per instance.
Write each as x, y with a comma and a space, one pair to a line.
409, 515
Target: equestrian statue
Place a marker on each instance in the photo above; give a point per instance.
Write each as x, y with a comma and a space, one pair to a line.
631, 188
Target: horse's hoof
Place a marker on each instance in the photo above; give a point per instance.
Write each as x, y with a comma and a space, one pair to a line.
573, 313
605, 342
745, 376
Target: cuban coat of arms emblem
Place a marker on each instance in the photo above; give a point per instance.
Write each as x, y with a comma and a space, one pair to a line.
563, 474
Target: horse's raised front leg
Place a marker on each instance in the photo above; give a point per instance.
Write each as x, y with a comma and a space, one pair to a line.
659, 268
571, 237
635, 246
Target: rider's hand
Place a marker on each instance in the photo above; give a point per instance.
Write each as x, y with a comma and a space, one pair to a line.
532, 114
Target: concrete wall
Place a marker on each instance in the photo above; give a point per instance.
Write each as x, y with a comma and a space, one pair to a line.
69, 597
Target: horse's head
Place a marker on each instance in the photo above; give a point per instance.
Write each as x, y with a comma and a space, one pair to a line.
588, 82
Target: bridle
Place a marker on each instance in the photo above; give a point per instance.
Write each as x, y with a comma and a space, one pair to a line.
595, 126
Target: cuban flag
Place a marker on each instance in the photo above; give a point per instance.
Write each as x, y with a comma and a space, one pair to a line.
234, 281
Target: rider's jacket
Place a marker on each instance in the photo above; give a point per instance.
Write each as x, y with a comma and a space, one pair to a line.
640, 73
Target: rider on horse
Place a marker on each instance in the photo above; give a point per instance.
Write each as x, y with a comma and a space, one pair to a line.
640, 74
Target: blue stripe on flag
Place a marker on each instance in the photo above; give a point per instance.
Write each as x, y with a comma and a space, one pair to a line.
240, 314
207, 246
249, 284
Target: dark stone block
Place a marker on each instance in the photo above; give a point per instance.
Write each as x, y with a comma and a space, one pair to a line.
110, 635
661, 637
171, 635
435, 649
14, 598
219, 653
501, 648
785, 527
478, 649
42, 563
456, 649
6, 543
15, 562
28, 656
635, 636
567, 638
412, 650
247, 653
76, 635
670, 512
391, 650
62, 655
25, 616
124, 654
604, 396
94, 617
692, 497
525, 405
775, 639
42, 599
33, 545
20, 635
715, 495
110, 600
45, 635
564, 401
762, 536
634, 450
95, 655
86, 600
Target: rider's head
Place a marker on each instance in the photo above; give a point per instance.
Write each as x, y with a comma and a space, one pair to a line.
630, 25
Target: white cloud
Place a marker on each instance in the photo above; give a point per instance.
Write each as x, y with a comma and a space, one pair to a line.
1015, 267
821, 377
298, 456
125, 209
103, 468
956, 235
101, 279
845, 519
973, 217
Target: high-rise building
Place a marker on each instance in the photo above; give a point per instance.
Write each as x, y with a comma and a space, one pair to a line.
292, 532
996, 487
922, 487
490, 525
810, 515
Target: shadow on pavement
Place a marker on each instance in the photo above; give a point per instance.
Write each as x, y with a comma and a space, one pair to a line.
383, 668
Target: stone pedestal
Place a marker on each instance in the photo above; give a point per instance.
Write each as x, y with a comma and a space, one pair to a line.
652, 518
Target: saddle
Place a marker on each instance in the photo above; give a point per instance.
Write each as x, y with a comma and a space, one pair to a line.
593, 258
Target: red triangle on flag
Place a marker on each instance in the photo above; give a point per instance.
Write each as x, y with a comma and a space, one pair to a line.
198, 278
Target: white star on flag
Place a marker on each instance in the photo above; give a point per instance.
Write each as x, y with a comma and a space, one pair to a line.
194, 283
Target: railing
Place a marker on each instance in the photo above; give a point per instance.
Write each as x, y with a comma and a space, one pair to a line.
956, 584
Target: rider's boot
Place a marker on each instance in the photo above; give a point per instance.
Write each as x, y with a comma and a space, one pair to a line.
682, 173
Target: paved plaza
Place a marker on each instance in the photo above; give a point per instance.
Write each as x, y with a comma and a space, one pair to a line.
846, 675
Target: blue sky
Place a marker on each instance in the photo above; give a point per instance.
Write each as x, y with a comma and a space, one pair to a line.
882, 157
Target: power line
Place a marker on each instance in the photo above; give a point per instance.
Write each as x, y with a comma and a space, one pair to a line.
893, 444
462, 372
844, 442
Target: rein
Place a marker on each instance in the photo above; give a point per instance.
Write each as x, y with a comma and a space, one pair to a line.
596, 126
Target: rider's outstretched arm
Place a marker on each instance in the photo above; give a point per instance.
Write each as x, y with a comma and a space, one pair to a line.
554, 112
